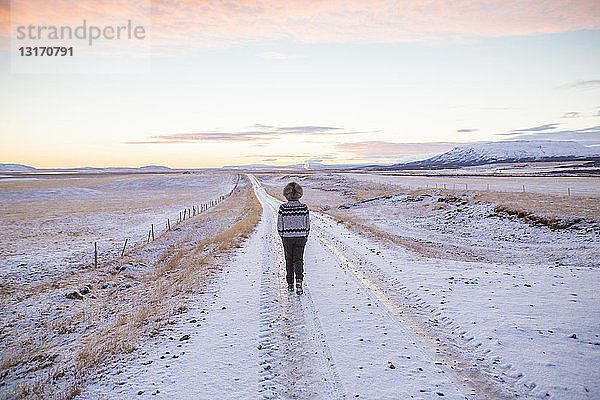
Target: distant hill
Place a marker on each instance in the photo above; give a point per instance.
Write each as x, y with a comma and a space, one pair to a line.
155, 168
15, 168
25, 168
505, 152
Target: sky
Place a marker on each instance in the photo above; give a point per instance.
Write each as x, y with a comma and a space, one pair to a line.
216, 83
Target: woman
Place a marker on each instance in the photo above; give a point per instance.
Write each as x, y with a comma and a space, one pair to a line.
293, 225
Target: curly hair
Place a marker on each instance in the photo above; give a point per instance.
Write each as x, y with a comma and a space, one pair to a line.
292, 191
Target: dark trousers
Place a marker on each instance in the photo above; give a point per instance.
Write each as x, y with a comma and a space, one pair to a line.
293, 247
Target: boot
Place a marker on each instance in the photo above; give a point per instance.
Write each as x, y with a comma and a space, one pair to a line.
291, 287
299, 287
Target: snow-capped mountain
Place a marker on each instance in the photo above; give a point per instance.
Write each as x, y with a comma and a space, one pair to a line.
510, 151
15, 168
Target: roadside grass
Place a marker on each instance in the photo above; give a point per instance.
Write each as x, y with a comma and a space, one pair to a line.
54, 360
544, 205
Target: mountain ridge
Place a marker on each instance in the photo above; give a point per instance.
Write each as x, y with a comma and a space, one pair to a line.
481, 153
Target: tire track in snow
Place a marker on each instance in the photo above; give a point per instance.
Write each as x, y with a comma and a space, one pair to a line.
471, 375
357, 343
445, 353
495, 377
295, 360
299, 318
269, 351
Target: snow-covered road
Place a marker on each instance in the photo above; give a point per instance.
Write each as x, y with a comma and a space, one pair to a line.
360, 348
357, 332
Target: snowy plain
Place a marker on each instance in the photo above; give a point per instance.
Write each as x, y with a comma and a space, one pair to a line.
477, 178
376, 321
50, 224
256, 339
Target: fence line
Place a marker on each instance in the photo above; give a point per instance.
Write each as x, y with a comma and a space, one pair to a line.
187, 213
485, 187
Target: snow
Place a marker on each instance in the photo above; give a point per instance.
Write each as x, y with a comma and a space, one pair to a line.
377, 321
478, 230
49, 225
518, 317
219, 359
488, 152
561, 185
461, 329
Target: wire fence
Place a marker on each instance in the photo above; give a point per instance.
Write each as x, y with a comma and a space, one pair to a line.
551, 185
185, 214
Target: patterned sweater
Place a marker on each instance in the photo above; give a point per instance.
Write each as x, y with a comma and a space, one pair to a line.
292, 219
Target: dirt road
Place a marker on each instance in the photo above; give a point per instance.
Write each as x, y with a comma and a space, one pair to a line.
354, 333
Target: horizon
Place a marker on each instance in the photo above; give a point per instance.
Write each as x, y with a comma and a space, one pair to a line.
243, 83
407, 160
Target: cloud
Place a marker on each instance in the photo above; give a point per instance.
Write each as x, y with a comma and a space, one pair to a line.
257, 132
581, 84
385, 149
571, 114
186, 24
291, 158
466, 130
588, 135
295, 156
540, 128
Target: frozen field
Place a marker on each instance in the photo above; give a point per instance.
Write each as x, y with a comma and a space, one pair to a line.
56, 332
422, 293
557, 185
473, 225
377, 321
50, 224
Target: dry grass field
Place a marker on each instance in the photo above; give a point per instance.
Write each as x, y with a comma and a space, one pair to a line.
50, 224
56, 333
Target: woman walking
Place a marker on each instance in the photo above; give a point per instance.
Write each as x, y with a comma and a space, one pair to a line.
293, 225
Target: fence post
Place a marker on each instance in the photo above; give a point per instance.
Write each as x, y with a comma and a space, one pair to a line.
168, 224
569, 191
125, 245
152, 230
95, 255
488, 187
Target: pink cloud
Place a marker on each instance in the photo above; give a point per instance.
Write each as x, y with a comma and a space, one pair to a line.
375, 20
391, 149
204, 23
